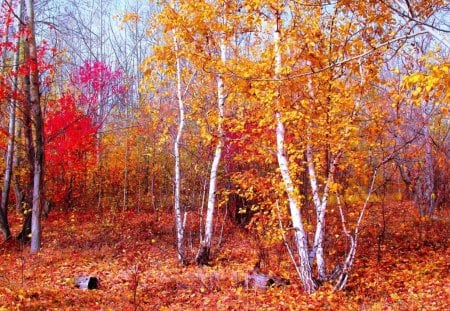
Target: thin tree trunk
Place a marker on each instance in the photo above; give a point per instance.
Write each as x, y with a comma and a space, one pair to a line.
4, 225
125, 171
428, 172
176, 147
320, 207
320, 203
205, 245
8, 171
301, 239
18, 192
38, 133
343, 273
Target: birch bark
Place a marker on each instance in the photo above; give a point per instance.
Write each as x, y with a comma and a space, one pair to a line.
320, 203
301, 241
205, 245
4, 225
176, 147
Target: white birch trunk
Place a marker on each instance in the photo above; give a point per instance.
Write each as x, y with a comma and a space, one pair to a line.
205, 245
320, 207
320, 204
176, 147
8, 169
10, 149
301, 241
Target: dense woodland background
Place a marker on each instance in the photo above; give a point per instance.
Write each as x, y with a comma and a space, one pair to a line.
189, 153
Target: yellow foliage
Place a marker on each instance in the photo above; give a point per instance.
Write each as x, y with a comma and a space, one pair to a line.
130, 17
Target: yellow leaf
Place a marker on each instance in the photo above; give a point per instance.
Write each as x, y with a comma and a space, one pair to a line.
130, 16
414, 78
394, 296
417, 91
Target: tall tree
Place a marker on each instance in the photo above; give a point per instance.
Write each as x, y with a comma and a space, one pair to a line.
203, 254
176, 146
301, 240
38, 125
4, 225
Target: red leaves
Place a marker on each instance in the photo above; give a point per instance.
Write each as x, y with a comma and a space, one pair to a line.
71, 125
136, 272
70, 149
99, 88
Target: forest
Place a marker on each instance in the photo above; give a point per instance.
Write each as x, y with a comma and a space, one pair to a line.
224, 155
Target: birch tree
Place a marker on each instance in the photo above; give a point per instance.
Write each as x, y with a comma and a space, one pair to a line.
301, 239
4, 225
176, 146
323, 89
205, 245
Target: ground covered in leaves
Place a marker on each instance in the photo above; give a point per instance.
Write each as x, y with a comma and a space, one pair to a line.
402, 265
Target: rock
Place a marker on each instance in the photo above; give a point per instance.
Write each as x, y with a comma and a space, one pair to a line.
87, 282
262, 281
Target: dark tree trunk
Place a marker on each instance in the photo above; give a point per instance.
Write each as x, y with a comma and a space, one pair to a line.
38, 137
203, 255
24, 235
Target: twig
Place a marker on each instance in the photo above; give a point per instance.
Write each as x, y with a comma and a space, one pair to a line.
285, 241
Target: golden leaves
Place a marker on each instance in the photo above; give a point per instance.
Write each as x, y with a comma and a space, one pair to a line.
130, 17
434, 82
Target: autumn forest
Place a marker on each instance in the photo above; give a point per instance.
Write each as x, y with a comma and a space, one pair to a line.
224, 155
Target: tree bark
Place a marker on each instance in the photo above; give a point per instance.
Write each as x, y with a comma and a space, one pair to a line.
301, 239
428, 187
24, 196
38, 137
205, 245
176, 147
320, 200
4, 225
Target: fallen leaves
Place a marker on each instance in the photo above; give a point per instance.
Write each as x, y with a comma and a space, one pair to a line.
137, 273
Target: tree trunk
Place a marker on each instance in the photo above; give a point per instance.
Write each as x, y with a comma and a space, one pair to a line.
18, 192
26, 193
24, 235
301, 239
320, 207
205, 245
340, 274
38, 133
176, 147
8, 170
320, 202
4, 225
428, 187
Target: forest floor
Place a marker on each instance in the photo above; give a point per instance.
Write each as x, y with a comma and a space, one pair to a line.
407, 267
